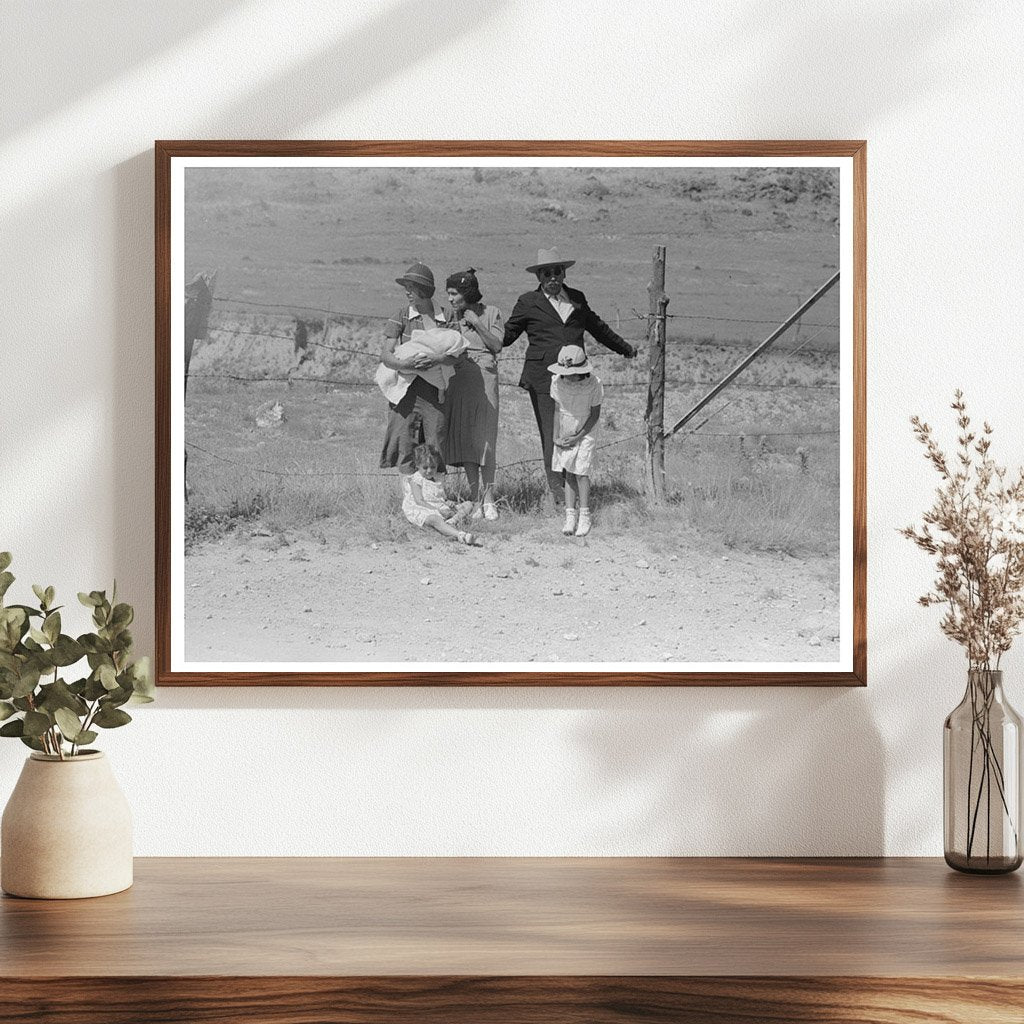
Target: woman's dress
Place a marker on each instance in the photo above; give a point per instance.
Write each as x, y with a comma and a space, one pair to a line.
420, 416
471, 404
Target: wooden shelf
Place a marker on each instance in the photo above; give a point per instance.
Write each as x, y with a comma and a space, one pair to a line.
573, 941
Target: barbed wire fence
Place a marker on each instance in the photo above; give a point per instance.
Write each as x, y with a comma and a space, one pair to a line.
312, 321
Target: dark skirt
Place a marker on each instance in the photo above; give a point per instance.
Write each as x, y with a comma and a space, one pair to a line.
471, 407
419, 418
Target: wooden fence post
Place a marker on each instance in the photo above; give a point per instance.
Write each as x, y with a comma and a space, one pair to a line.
655, 414
198, 302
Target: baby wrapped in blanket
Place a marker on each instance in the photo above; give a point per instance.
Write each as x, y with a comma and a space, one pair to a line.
437, 343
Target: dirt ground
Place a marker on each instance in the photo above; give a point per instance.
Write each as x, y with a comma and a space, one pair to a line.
532, 597
295, 550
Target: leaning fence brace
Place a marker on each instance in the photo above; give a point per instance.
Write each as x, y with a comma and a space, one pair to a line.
736, 371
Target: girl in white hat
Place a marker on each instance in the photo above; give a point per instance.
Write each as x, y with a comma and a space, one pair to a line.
578, 394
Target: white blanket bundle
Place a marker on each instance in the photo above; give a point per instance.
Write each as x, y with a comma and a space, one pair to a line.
435, 342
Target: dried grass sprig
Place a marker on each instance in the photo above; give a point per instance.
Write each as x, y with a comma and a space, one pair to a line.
975, 529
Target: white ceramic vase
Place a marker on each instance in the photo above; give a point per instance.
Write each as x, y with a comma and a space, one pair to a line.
66, 831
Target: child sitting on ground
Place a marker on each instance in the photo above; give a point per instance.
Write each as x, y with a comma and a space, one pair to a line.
424, 502
578, 394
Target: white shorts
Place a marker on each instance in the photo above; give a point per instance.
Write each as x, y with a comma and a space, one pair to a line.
576, 459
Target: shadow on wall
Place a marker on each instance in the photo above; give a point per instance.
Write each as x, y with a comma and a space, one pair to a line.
739, 772
693, 771
324, 82
812, 58
110, 33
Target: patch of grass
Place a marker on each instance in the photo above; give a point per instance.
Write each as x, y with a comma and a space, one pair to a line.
205, 523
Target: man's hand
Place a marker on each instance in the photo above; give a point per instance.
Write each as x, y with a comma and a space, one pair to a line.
633, 351
567, 441
446, 511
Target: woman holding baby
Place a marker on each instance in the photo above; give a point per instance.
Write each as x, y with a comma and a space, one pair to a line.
442, 387
416, 412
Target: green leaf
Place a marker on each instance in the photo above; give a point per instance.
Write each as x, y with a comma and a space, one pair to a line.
6, 579
94, 689
15, 728
5, 559
69, 724
142, 681
40, 593
9, 663
94, 645
115, 698
6, 710
122, 616
107, 676
59, 695
50, 595
51, 627
12, 627
36, 723
27, 681
66, 651
28, 610
89, 600
86, 736
109, 718
38, 635
31, 741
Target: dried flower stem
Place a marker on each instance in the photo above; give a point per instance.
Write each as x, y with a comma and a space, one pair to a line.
975, 530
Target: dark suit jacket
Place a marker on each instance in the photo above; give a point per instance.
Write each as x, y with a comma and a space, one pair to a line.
546, 334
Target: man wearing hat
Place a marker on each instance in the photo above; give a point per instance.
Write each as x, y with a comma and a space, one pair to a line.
553, 316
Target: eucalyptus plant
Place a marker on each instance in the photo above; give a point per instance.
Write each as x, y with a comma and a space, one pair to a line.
37, 704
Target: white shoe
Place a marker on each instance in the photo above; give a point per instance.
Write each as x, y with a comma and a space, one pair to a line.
570, 522
490, 511
583, 528
477, 513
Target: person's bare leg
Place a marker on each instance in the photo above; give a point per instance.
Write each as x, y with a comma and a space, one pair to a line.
583, 525
437, 523
583, 486
570, 504
487, 472
473, 476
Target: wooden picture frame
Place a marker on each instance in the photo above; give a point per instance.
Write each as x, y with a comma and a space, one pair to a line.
240, 209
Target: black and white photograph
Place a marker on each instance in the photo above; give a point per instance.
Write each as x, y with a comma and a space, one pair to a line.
510, 414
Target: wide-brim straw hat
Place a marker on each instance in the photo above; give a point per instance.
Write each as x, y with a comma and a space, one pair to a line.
571, 360
419, 274
549, 258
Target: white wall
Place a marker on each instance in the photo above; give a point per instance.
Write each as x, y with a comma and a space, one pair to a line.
936, 88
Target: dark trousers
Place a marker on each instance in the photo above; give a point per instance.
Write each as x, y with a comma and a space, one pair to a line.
544, 412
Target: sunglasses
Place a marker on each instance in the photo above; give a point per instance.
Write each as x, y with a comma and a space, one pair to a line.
551, 271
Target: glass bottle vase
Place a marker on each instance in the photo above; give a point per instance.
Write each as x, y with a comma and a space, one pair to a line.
981, 774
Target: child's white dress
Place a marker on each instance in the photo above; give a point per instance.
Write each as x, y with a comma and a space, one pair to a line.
433, 497
575, 399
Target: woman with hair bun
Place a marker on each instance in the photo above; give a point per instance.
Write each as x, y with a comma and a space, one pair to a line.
472, 400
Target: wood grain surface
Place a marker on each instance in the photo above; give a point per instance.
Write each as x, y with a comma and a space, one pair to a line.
537, 1000
503, 940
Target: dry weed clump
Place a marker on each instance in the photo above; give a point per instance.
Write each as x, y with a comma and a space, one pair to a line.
975, 529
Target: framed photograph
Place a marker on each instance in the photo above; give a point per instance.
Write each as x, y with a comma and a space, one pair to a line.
493, 413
